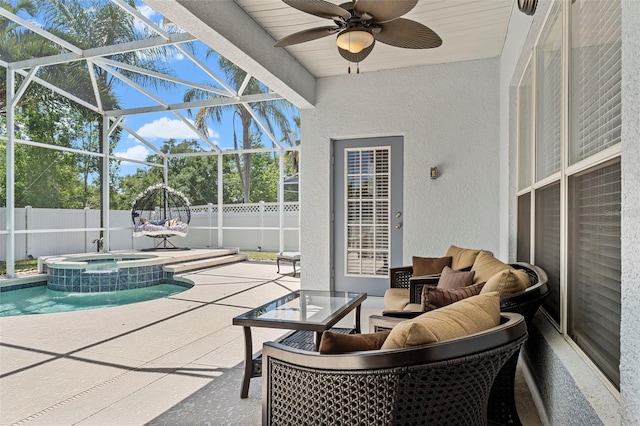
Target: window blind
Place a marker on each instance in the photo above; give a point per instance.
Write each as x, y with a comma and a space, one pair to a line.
549, 97
594, 273
524, 228
367, 216
525, 121
547, 247
596, 74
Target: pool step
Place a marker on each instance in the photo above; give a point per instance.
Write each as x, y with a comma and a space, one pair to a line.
178, 268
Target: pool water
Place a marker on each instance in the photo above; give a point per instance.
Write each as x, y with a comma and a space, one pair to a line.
41, 300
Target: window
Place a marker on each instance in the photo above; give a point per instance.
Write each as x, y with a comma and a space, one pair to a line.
547, 243
575, 188
594, 265
367, 218
525, 119
524, 229
596, 73
549, 98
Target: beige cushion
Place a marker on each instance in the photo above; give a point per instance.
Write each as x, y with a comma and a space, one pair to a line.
340, 343
436, 297
507, 282
451, 279
468, 316
429, 265
396, 299
413, 307
486, 266
461, 257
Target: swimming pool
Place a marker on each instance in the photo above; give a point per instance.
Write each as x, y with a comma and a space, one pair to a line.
42, 300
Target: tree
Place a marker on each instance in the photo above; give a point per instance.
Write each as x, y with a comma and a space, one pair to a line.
292, 138
90, 24
194, 176
17, 43
270, 113
45, 177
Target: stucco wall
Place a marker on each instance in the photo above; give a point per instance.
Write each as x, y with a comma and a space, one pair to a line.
448, 117
630, 357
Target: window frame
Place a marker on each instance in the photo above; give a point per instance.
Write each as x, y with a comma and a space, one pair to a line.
567, 170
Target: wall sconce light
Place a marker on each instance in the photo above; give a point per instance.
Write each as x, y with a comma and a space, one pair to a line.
434, 173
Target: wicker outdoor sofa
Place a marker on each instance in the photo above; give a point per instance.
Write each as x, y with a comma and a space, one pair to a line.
446, 383
502, 408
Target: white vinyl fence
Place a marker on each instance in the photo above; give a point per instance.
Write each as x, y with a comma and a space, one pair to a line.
246, 226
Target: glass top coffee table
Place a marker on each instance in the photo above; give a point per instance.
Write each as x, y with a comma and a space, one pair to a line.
308, 312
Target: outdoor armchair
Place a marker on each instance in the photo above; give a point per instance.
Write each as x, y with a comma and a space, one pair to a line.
435, 384
398, 296
502, 409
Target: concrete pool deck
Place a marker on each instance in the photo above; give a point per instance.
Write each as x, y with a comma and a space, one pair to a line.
171, 361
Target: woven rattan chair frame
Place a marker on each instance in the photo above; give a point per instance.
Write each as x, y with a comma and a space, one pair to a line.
444, 383
161, 203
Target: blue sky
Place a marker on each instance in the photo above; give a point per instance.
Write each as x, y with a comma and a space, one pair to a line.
158, 127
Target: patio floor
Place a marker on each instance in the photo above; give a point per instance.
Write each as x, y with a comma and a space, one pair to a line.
171, 361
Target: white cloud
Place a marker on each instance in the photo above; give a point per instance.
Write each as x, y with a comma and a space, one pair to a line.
147, 12
165, 128
138, 152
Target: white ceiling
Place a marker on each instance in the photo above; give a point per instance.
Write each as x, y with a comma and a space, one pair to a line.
470, 29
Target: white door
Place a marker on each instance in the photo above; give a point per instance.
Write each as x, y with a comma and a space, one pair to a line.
367, 214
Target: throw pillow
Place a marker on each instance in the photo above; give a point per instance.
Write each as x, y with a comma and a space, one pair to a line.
461, 257
455, 279
468, 316
486, 266
429, 265
507, 282
436, 297
340, 343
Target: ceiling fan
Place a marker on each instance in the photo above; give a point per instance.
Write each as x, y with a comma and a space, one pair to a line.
360, 23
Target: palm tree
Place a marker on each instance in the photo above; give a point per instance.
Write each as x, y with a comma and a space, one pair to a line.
292, 138
17, 43
271, 112
95, 23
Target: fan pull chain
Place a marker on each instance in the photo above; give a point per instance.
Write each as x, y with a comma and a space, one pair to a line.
357, 68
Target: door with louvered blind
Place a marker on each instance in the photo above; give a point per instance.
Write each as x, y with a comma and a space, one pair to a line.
367, 216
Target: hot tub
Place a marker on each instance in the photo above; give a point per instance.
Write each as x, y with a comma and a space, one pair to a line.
102, 272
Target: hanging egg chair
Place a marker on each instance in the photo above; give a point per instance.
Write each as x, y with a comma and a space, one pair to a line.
161, 212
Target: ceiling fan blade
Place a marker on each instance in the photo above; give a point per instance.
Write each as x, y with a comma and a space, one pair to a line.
320, 8
384, 11
356, 57
408, 34
306, 35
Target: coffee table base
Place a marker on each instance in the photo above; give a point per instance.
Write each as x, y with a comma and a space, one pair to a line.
305, 340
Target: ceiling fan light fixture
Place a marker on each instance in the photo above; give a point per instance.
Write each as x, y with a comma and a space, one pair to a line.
355, 41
